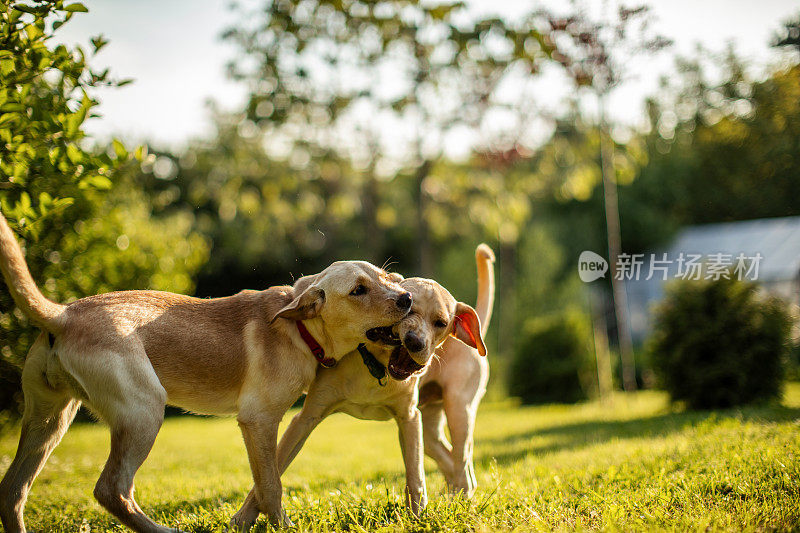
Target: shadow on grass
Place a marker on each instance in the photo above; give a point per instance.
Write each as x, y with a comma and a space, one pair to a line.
576, 435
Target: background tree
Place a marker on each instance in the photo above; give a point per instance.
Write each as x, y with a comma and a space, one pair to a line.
83, 227
383, 85
267, 219
599, 50
725, 150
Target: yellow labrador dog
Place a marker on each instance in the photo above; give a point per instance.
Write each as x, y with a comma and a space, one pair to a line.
127, 354
356, 386
453, 386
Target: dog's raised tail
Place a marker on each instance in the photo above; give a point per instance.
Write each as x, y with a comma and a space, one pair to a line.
23, 289
484, 258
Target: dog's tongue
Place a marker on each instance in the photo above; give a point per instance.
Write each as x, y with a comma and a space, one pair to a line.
401, 366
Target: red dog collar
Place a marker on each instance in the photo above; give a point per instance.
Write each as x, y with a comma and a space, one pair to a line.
314, 346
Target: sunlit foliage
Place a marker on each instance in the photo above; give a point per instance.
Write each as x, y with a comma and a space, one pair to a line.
83, 226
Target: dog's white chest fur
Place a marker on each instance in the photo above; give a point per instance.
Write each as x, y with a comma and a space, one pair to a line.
349, 388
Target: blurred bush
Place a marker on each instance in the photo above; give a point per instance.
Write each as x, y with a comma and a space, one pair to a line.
553, 361
717, 344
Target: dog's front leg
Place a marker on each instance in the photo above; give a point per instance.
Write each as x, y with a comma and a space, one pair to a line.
260, 432
292, 440
410, 427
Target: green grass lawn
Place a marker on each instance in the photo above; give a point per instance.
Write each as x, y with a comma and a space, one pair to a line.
632, 465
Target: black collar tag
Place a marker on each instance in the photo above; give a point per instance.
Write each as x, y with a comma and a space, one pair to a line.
376, 369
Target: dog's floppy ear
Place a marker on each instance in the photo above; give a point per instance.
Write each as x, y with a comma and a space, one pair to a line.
301, 284
305, 306
467, 328
394, 277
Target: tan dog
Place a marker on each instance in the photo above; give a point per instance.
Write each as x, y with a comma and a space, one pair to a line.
350, 388
452, 387
127, 354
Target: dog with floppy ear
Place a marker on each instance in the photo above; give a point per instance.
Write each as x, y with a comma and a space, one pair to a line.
128, 354
353, 387
452, 388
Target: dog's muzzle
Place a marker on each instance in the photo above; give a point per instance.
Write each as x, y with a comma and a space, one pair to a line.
401, 365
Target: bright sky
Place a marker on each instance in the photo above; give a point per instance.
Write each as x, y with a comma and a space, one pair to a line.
173, 51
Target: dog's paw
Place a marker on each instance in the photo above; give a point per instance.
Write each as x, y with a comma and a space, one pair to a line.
284, 521
242, 521
461, 488
417, 508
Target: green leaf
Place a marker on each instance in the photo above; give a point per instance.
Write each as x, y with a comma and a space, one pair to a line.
26, 9
24, 200
95, 182
6, 66
55, 154
61, 203
98, 43
33, 32
73, 123
76, 8
119, 149
19, 171
141, 152
12, 107
74, 154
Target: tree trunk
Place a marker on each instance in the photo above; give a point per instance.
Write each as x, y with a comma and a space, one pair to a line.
506, 308
330, 226
373, 234
605, 382
425, 257
614, 248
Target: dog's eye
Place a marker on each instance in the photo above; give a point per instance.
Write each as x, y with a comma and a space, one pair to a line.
358, 291
440, 323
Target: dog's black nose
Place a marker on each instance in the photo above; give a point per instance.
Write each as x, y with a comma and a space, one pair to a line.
404, 301
413, 343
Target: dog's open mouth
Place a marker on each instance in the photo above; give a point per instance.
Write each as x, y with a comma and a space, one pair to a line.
384, 335
401, 366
